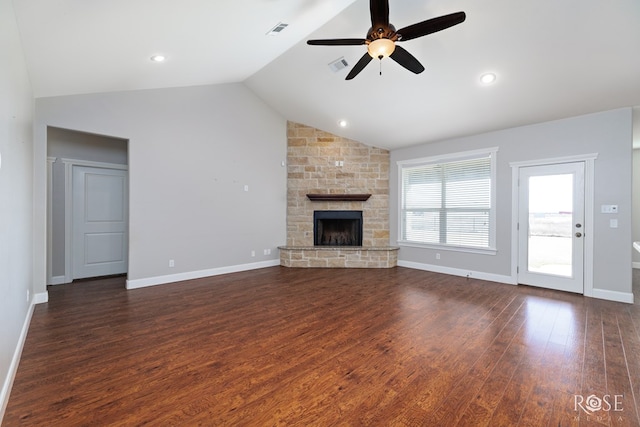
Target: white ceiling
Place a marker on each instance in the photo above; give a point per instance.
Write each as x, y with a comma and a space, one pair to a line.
554, 59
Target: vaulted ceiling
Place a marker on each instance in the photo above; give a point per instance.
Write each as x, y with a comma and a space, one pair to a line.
553, 59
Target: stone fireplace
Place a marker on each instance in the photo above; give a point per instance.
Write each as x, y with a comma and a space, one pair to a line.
327, 173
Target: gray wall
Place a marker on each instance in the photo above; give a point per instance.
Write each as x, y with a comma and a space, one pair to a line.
608, 134
69, 144
636, 205
66, 143
191, 152
16, 192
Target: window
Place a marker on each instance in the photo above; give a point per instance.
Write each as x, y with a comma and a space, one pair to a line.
449, 200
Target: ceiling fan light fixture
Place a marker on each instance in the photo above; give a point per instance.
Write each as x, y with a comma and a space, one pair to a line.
381, 48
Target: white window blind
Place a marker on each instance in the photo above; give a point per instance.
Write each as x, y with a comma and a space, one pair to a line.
448, 202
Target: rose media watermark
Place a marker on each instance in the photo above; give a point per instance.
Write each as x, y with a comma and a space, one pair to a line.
600, 407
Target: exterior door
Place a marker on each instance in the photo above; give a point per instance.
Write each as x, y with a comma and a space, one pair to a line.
551, 226
100, 222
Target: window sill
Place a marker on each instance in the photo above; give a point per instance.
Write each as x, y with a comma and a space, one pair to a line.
482, 251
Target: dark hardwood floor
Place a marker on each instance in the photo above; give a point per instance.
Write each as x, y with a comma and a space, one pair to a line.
326, 347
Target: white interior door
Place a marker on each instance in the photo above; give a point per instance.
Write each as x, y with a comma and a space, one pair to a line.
551, 226
100, 222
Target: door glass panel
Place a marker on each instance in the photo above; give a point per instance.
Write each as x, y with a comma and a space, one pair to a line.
551, 224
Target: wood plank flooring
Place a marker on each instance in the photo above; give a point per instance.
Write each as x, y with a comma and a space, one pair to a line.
327, 347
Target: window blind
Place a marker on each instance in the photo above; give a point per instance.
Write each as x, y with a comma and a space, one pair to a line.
448, 202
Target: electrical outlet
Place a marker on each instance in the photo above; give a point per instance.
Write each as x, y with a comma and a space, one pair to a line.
172, 263
28, 295
253, 253
437, 256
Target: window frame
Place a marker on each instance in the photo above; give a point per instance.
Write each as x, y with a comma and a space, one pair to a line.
450, 158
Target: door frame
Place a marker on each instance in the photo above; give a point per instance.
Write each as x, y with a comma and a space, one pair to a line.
589, 165
68, 207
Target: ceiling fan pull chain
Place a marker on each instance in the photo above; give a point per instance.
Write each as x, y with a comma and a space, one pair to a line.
380, 66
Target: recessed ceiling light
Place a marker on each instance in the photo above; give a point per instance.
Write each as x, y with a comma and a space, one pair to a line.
343, 123
158, 58
488, 78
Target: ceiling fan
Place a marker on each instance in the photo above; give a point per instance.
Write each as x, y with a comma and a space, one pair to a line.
382, 37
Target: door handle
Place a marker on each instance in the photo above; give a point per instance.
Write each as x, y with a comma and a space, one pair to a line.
578, 225
578, 234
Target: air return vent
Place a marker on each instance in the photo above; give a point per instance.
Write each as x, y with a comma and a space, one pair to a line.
338, 64
277, 29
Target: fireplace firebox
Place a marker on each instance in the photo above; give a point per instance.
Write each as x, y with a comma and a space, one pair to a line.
337, 228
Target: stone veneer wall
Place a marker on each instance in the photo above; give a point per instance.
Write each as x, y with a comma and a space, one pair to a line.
311, 159
311, 168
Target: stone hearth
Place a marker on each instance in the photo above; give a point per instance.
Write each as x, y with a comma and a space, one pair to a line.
322, 163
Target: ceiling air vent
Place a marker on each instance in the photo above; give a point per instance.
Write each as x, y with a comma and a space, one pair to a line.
338, 64
277, 29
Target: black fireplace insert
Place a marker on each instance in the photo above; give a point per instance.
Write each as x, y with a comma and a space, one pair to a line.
337, 228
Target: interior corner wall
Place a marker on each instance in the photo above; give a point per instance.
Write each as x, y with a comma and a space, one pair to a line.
607, 133
636, 205
16, 199
206, 175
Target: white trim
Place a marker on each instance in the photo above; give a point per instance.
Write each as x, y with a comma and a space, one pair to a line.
68, 207
554, 160
88, 163
15, 361
589, 219
613, 295
57, 280
190, 275
589, 189
452, 157
40, 298
468, 249
50, 162
68, 221
499, 278
636, 265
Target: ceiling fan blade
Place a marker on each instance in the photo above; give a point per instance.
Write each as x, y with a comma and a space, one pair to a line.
336, 42
366, 58
379, 13
408, 61
431, 26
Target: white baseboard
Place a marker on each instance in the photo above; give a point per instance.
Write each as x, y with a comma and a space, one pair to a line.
161, 280
57, 280
15, 361
613, 295
40, 298
597, 293
458, 272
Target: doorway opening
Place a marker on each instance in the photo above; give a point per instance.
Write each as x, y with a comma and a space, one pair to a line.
87, 212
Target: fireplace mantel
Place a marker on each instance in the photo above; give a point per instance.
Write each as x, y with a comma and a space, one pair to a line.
338, 197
